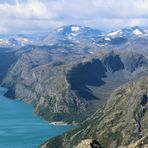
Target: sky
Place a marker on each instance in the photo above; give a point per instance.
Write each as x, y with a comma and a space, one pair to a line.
32, 16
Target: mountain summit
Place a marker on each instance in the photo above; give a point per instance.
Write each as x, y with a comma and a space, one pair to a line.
127, 32
76, 30
70, 32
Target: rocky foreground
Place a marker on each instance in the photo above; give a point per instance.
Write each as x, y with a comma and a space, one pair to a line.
89, 143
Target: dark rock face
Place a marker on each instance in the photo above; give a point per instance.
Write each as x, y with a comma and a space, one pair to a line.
6, 61
142, 111
95, 144
113, 62
84, 74
144, 100
11, 92
92, 73
133, 61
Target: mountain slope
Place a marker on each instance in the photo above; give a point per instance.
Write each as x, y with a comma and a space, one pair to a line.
121, 121
70, 90
7, 59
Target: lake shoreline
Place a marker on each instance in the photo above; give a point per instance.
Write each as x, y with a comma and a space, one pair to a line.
61, 123
9, 93
20, 126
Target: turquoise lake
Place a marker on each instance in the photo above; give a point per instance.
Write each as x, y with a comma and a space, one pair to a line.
20, 128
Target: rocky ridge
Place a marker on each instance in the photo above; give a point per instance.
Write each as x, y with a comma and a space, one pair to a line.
121, 121
67, 91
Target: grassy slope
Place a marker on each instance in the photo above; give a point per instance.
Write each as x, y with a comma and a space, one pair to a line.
115, 123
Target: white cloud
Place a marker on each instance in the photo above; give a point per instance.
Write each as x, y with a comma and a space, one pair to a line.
32, 9
21, 15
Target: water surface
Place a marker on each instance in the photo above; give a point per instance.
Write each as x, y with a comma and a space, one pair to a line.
20, 128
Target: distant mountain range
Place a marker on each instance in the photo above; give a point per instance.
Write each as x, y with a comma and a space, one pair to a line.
74, 34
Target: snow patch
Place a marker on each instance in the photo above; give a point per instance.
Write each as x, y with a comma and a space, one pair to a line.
75, 28
107, 39
137, 32
24, 40
114, 33
91, 52
100, 45
51, 44
76, 41
60, 29
74, 34
70, 37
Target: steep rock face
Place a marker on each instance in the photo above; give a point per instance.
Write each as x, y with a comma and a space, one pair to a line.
113, 62
133, 61
64, 90
85, 74
6, 61
121, 121
110, 70
33, 80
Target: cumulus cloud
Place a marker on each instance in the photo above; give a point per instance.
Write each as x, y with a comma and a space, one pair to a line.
27, 15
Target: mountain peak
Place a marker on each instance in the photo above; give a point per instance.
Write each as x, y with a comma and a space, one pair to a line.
137, 30
71, 32
75, 30
128, 32
70, 28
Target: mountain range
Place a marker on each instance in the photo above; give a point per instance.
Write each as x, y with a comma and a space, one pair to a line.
82, 76
73, 34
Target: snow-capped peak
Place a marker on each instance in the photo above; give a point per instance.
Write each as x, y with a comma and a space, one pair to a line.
126, 32
77, 31
69, 30
137, 32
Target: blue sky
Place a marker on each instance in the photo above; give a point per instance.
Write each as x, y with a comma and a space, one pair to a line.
25, 16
